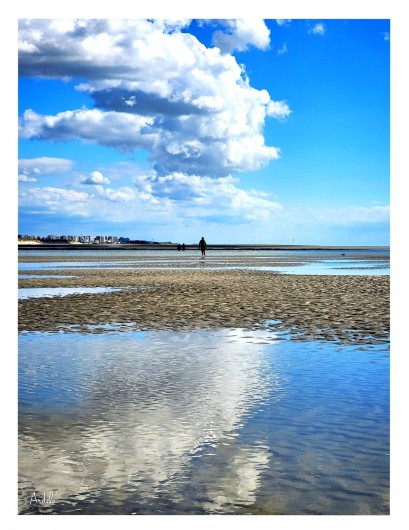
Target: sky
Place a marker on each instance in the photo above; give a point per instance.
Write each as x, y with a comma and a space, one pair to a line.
241, 130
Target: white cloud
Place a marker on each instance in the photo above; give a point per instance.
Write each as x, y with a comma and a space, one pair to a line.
181, 203
194, 196
155, 88
24, 178
96, 177
317, 29
171, 25
283, 49
42, 166
152, 197
54, 200
278, 109
241, 34
283, 21
386, 35
122, 194
120, 130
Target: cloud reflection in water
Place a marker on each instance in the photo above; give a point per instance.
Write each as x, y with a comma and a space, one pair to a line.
138, 412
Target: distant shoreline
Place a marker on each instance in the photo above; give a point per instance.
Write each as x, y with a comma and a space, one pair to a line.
172, 246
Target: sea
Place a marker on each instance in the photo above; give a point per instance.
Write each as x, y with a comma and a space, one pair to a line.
228, 421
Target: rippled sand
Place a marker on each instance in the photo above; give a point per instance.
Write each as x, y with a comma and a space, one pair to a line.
345, 308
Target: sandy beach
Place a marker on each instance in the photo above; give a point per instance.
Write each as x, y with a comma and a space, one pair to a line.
244, 371
349, 309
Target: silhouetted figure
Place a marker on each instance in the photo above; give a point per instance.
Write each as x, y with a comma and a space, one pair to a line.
183, 246
179, 247
202, 246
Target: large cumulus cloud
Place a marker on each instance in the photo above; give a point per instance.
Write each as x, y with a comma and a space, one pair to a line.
155, 87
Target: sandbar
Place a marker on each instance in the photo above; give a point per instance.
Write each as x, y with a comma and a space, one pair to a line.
347, 309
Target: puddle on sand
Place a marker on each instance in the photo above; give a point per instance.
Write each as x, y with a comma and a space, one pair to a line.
204, 422
49, 292
42, 276
295, 263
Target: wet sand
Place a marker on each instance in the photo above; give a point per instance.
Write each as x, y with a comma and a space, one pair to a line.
349, 309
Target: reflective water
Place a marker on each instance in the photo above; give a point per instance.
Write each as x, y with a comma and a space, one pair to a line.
43, 276
289, 262
335, 268
40, 292
312, 253
228, 421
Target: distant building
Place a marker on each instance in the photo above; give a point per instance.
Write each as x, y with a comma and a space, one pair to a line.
28, 237
106, 239
86, 239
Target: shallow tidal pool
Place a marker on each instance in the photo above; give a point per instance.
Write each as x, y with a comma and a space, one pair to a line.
203, 422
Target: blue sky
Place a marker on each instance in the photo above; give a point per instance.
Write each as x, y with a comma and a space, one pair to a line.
273, 131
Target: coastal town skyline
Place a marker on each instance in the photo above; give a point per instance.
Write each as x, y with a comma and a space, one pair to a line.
120, 240
239, 130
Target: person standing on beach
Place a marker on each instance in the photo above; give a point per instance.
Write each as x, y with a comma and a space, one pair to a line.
202, 246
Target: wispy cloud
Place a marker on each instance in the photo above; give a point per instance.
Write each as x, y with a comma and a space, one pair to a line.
283, 49
54, 200
283, 21
317, 29
149, 196
24, 178
31, 168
